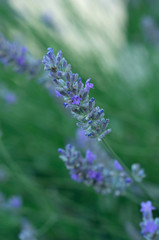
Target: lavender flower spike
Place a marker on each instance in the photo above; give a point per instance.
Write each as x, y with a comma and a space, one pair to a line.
149, 225
76, 95
27, 231
105, 180
12, 54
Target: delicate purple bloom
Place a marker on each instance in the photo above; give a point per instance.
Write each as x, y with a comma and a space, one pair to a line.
91, 173
58, 94
117, 165
147, 207
128, 180
150, 227
15, 202
95, 175
65, 105
10, 97
90, 156
75, 177
76, 100
88, 85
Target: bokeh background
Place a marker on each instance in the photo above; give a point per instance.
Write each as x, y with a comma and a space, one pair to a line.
116, 43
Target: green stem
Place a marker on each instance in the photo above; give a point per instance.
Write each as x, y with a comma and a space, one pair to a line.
108, 148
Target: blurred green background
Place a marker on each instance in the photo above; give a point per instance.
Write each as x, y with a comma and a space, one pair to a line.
116, 43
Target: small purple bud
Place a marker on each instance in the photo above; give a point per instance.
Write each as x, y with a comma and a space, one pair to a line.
88, 85
59, 74
65, 105
58, 94
147, 207
61, 151
15, 202
117, 165
76, 100
128, 180
10, 98
90, 121
64, 65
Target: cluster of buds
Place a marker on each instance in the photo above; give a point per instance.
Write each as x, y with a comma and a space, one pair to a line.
76, 95
105, 180
13, 203
11, 53
27, 231
149, 225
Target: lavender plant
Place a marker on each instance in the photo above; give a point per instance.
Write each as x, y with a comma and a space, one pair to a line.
110, 179
105, 180
12, 54
97, 168
76, 96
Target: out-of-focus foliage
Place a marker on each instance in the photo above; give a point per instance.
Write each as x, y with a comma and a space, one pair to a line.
109, 42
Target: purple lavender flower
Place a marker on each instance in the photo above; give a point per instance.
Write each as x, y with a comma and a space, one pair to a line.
76, 96
10, 97
90, 156
58, 94
149, 225
147, 207
88, 85
97, 176
15, 202
18, 57
117, 165
86, 169
76, 100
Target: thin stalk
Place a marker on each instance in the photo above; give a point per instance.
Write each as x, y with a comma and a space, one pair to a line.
108, 148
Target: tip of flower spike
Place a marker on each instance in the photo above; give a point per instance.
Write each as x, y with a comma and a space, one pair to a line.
61, 151
117, 165
50, 49
88, 85
104, 134
147, 207
58, 94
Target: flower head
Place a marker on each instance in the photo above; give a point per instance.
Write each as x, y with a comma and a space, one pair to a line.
147, 207
76, 95
105, 179
149, 225
18, 57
